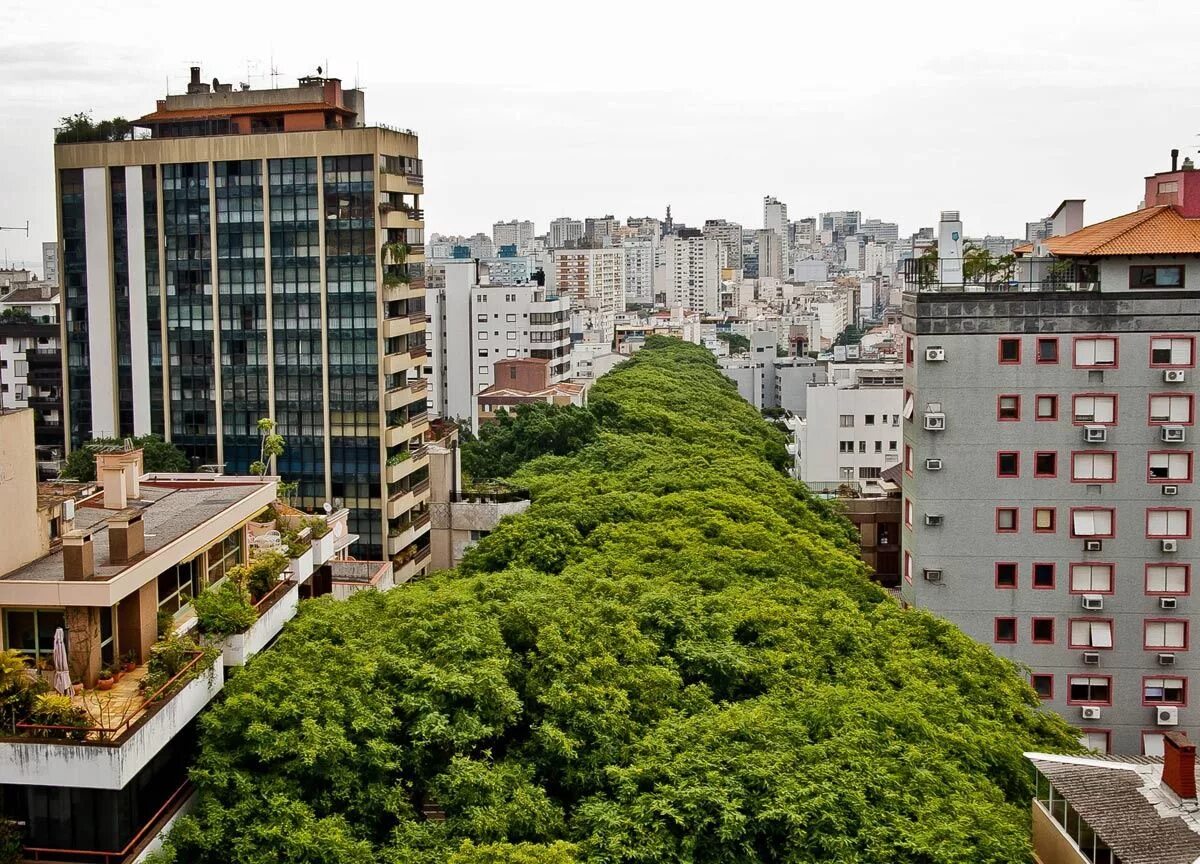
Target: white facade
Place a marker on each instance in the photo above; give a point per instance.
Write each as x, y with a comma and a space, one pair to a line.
775, 219
593, 279
514, 233
848, 434
833, 316
689, 274
810, 270
565, 230
729, 242
639, 268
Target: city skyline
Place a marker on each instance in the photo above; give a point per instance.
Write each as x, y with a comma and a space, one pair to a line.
877, 136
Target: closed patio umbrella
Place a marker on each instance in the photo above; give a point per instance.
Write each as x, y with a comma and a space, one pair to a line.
62, 674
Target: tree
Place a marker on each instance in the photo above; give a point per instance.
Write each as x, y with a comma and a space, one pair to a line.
537, 429
737, 343
78, 128
158, 456
271, 444
15, 315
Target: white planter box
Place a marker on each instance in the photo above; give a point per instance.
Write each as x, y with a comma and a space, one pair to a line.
322, 549
240, 647
302, 567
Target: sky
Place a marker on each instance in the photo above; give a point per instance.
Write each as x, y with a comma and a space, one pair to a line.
535, 110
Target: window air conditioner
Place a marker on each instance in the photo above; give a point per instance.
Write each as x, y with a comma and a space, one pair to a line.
1170, 545
935, 355
1091, 658
1167, 715
1174, 376
1166, 659
1095, 434
1170, 434
1090, 712
935, 421
1092, 545
1093, 601
1168, 602
933, 575
933, 518
933, 464
1170, 489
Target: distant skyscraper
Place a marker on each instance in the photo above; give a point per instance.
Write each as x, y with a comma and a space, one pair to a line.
514, 233
564, 231
689, 274
729, 241
597, 229
843, 222
594, 279
775, 219
770, 254
639, 268
880, 232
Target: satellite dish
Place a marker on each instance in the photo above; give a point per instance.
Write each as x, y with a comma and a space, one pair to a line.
328, 508
318, 70
216, 83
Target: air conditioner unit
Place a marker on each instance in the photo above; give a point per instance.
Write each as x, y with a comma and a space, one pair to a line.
1170, 434
1093, 601
1090, 712
1091, 658
935, 355
933, 575
1092, 545
1174, 376
1095, 434
933, 464
935, 421
1166, 659
1168, 602
1170, 489
1170, 545
933, 518
1167, 715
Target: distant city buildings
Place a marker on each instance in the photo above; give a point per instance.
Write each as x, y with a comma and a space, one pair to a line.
514, 233
593, 280
564, 232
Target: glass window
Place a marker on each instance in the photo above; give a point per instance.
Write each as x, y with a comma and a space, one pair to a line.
1171, 409
1095, 409
1008, 408
1090, 688
1047, 350
1092, 523
1156, 276
1096, 351
1010, 350
1043, 575
223, 555
1167, 578
1047, 407
1171, 351
177, 586
1091, 578
31, 631
1166, 634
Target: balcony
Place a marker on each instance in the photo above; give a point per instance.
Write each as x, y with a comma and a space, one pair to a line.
998, 276
410, 563
275, 608
402, 325
408, 533
349, 577
398, 470
398, 397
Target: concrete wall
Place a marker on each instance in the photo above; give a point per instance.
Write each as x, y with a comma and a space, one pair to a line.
23, 541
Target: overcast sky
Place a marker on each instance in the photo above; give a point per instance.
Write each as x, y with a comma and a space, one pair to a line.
536, 110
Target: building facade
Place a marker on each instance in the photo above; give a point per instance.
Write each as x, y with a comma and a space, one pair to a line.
728, 236
514, 233
31, 366
564, 232
593, 280
640, 254
849, 434
688, 274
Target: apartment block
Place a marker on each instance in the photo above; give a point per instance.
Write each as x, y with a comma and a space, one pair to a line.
640, 255
252, 253
514, 233
1049, 453
594, 280
564, 232
729, 242
688, 274
850, 434
31, 365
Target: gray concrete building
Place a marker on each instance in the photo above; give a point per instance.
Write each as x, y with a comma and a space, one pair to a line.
1049, 448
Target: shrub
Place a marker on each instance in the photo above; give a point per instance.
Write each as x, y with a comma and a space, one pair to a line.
225, 610
261, 574
318, 525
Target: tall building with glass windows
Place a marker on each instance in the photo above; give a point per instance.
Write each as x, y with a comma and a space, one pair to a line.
248, 254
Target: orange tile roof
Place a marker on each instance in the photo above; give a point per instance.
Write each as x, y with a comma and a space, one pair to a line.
238, 111
1023, 249
1153, 231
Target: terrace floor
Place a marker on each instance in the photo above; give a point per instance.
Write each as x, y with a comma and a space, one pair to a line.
110, 708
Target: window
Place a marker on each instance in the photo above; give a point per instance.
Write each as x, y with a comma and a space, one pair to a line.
1006, 574
1171, 408
1047, 349
1043, 685
31, 631
1169, 467
1148, 276
1006, 520
845, 446
1097, 408
176, 586
1169, 633
1091, 522
1010, 351
510, 335
869, 419
1152, 744
862, 446
1045, 463
846, 421
1091, 578
1008, 407
908, 568
908, 513
481, 318
1096, 740
1044, 520
1168, 522
1006, 629
1008, 464
909, 350
1091, 633
482, 335
222, 556
1164, 691
1168, 578
892, 446
1093, 467
908, 405
908, 460
510, 318
869, 473
1047, 407
1172, 351
1096, 351
483, 370
1042, 631
1092, 689
1043, 575
878, 446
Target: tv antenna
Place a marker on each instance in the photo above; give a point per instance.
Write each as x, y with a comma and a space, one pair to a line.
16, 228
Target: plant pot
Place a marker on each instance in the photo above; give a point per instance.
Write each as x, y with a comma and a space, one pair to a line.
104, 684
77, 687
129, 667
117, 676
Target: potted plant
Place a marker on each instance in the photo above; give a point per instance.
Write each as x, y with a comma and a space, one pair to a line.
77, 687
105, 681
129, 661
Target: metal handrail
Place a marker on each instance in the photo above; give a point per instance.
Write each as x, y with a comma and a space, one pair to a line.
273, 595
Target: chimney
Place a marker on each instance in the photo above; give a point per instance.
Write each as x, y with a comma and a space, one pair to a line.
132, 467
1179, 764
1188, 165
196, 76
1175, 159
126, 537
79, 562
112, 479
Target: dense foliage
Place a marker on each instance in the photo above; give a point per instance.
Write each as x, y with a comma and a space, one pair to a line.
80, 128
738, 344
672, 656
158, 456
537, 429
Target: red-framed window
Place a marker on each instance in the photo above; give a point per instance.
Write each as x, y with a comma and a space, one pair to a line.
1172, 351
1044, 575
910, 350
908, 568
1006, 574
1152, 742
1045, 463
1008, 407
1168, 523
1168, 578
1047, 349
1169, 466
1008, 520
909, 405
1164, 690
1093, 466
1008, 351
1006, 630
1097, 523
1171, 409
1099, 740
908, 460
1092, 634
1045, 520
1095, 352
1089, 689
1042, 684
1165, 634
1008, 463
1041, 631
1088, 577
1045, 407
1094, 409
908, 513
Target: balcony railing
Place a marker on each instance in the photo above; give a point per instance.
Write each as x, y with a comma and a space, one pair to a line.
499, 496
990, 275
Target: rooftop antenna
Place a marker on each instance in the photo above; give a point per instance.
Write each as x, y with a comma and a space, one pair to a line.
16, 228
274, 72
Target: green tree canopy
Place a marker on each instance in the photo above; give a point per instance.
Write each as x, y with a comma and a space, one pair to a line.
158, 455
537, 429
737, 343
674, 655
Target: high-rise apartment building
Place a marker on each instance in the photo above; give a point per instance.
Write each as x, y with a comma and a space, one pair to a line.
565, 231
729, 241
260, 254
843, 223
688, 274
593, 279
770, 254
599, 230
31, 365
775, 219
640, 252
514, 233
1049, 455
50, 262
879, 231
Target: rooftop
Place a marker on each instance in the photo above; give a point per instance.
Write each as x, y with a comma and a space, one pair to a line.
1158, 230
34, 293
